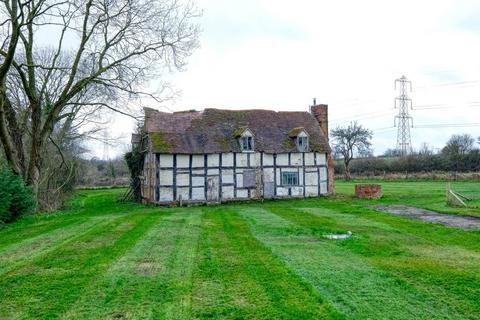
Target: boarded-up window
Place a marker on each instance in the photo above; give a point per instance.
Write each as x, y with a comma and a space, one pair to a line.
249, 180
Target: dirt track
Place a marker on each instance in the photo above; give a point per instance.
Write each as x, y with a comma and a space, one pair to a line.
457, 221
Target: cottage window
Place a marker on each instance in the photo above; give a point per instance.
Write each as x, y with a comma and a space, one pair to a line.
302, 144
290, 178
246, 143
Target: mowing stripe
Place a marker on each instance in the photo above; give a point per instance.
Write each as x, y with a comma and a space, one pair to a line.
440, 262
356, 288
47, 286
152, 280
237, 277
19, 253
25, 230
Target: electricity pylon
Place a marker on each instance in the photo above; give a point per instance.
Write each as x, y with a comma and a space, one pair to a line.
403, 120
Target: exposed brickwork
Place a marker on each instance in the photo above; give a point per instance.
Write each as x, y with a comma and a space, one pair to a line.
331, 174
320, 112
368, 191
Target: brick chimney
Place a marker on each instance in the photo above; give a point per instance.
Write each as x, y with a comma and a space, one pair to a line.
320, 112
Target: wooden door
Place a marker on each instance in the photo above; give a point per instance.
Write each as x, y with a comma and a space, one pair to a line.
213, 189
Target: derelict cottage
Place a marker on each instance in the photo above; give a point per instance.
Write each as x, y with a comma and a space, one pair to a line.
219, 155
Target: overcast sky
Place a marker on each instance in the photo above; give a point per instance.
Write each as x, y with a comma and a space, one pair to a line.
278, 55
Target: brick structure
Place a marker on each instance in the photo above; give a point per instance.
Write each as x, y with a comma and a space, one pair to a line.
368, 191
320, 112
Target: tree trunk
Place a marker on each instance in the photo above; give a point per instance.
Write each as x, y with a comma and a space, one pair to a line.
346, 172
35, 163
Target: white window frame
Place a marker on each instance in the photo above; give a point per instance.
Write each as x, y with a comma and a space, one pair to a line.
247, 141
289, 177
303, 147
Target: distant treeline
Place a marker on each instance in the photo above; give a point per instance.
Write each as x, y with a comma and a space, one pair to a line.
378, 166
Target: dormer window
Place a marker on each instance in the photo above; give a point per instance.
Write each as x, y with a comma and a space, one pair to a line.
300, 136
245, 139
302, 144
246, 143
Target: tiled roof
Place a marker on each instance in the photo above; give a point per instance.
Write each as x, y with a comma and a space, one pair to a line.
213, 130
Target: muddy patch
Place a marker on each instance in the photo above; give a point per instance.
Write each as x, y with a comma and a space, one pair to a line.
451, 220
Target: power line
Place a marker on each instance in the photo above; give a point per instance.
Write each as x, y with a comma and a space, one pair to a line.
447, 125
373, 116
460, 84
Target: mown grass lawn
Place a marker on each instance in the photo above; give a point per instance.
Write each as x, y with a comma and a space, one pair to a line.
260, 260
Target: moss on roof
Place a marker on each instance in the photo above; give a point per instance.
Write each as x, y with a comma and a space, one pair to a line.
159, 143
239, 131
214, 130
295, 131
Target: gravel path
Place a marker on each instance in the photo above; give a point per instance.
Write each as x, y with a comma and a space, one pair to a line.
451, 220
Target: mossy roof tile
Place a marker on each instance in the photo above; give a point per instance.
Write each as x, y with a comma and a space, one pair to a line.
214, 130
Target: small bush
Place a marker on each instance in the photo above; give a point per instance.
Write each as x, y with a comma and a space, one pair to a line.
16, 199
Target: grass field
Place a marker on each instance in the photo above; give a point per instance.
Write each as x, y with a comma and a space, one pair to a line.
260, 260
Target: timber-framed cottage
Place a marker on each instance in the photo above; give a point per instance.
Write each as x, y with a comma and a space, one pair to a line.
219, 155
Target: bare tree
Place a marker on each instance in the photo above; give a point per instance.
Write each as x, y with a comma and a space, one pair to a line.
349, 141
425, 150
105, 53
459, 144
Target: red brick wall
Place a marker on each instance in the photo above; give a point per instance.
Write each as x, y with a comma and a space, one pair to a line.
368, 191
320, 112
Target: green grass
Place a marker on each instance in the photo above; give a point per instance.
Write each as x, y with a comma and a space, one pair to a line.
102, 259
422, 194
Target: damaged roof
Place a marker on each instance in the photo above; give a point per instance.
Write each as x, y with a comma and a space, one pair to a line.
214, 130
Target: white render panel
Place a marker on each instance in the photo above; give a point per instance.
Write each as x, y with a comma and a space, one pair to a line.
227, 159
227, 176
300, 176
198, 160
311, 178
267, 159
166, 160
166, 194
323, 174
242, 159
311, 191
282, 191
282, 159
268, 175
183, 160
323, 188
239, 180
198, 171
278, 177
227, 192
198, 193
183, 180
309, 159
198, 181
213, 172
242, 194
184, 192
166, 177
255, 159
296, 159
321, 159
297, 191
213, 160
